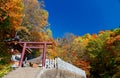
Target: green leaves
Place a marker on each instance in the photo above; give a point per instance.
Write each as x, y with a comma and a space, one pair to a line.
5, 69
103, 55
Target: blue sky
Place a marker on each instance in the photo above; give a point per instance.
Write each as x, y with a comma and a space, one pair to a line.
82, 16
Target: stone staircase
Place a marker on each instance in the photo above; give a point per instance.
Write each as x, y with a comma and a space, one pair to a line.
38, 72
27, 72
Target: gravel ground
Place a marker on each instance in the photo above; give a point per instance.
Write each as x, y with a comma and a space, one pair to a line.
27, 72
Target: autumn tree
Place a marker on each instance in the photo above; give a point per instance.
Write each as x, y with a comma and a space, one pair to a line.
72, 48
35, 20
11, 14
101, 53
66, 46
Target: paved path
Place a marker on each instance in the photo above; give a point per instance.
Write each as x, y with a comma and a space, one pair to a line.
27, 72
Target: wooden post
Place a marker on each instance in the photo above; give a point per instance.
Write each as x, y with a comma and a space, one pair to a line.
22, 55
44, 55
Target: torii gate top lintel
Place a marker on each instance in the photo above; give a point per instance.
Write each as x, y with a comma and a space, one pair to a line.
49, 43
34, 45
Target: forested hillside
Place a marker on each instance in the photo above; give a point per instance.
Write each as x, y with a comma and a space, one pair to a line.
98, 54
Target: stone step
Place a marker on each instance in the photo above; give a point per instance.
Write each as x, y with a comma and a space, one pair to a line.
27, 72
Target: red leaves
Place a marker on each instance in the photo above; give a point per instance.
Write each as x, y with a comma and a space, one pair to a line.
83, 65
101, 32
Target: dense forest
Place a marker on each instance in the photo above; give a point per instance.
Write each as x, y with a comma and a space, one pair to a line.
98, 54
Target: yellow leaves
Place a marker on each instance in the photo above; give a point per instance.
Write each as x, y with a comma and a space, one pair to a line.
16, 17
81, 40
37, 36
44, 13
44, 17
43, 23
15, 1
78, 39
4, 69
40, 36
52, 53
13, 5
46, 37
13, 9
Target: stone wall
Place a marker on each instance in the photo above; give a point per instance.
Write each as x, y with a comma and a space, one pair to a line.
67, 66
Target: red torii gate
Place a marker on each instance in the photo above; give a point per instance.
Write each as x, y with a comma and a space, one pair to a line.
36, 45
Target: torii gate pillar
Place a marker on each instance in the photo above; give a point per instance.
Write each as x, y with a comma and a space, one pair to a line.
44, 55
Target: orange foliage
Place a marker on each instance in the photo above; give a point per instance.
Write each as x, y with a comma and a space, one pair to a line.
101, 32
13, 9
94, 36
52, 53
117, 37
73, 53
109, 42
83, 65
